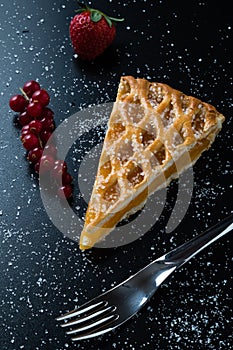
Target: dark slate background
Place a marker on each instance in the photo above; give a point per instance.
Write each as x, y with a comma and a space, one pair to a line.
42, 274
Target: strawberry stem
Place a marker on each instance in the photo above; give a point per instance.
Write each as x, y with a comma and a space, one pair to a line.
83, 6
96, 15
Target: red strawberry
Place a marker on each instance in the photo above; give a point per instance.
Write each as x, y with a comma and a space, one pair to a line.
91, 32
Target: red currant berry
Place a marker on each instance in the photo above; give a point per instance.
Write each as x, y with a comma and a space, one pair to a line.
46, 163
30, 87
44, 136
25, 130
60, 168
34, 109
24, 118
67, 179
41, 96
51, 150
47, 113
30, 141
18, 103
65, 191
61, 163
35, 155
47, 124
56, 174
35, 126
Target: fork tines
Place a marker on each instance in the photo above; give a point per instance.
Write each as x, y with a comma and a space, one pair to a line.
91, 319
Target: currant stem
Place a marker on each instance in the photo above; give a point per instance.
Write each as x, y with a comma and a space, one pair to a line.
24, 94
40, 142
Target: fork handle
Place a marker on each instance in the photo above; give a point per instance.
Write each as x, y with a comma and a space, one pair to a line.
186, 251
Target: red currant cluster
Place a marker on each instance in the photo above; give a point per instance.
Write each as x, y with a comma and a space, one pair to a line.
37, 122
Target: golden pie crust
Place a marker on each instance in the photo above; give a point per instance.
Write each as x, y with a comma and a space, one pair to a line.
152, 128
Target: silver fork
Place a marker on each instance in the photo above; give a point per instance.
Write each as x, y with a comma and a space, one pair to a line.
114, 307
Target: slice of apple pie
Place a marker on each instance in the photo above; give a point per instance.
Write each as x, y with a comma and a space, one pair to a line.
152, 127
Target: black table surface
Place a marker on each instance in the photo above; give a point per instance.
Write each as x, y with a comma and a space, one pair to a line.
186, 44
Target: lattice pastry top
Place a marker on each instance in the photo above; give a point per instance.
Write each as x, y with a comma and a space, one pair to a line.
152, 127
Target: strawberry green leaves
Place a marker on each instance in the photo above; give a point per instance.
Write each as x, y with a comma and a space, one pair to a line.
97, 15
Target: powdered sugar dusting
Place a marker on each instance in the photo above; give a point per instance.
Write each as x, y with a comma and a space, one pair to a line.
43, 274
